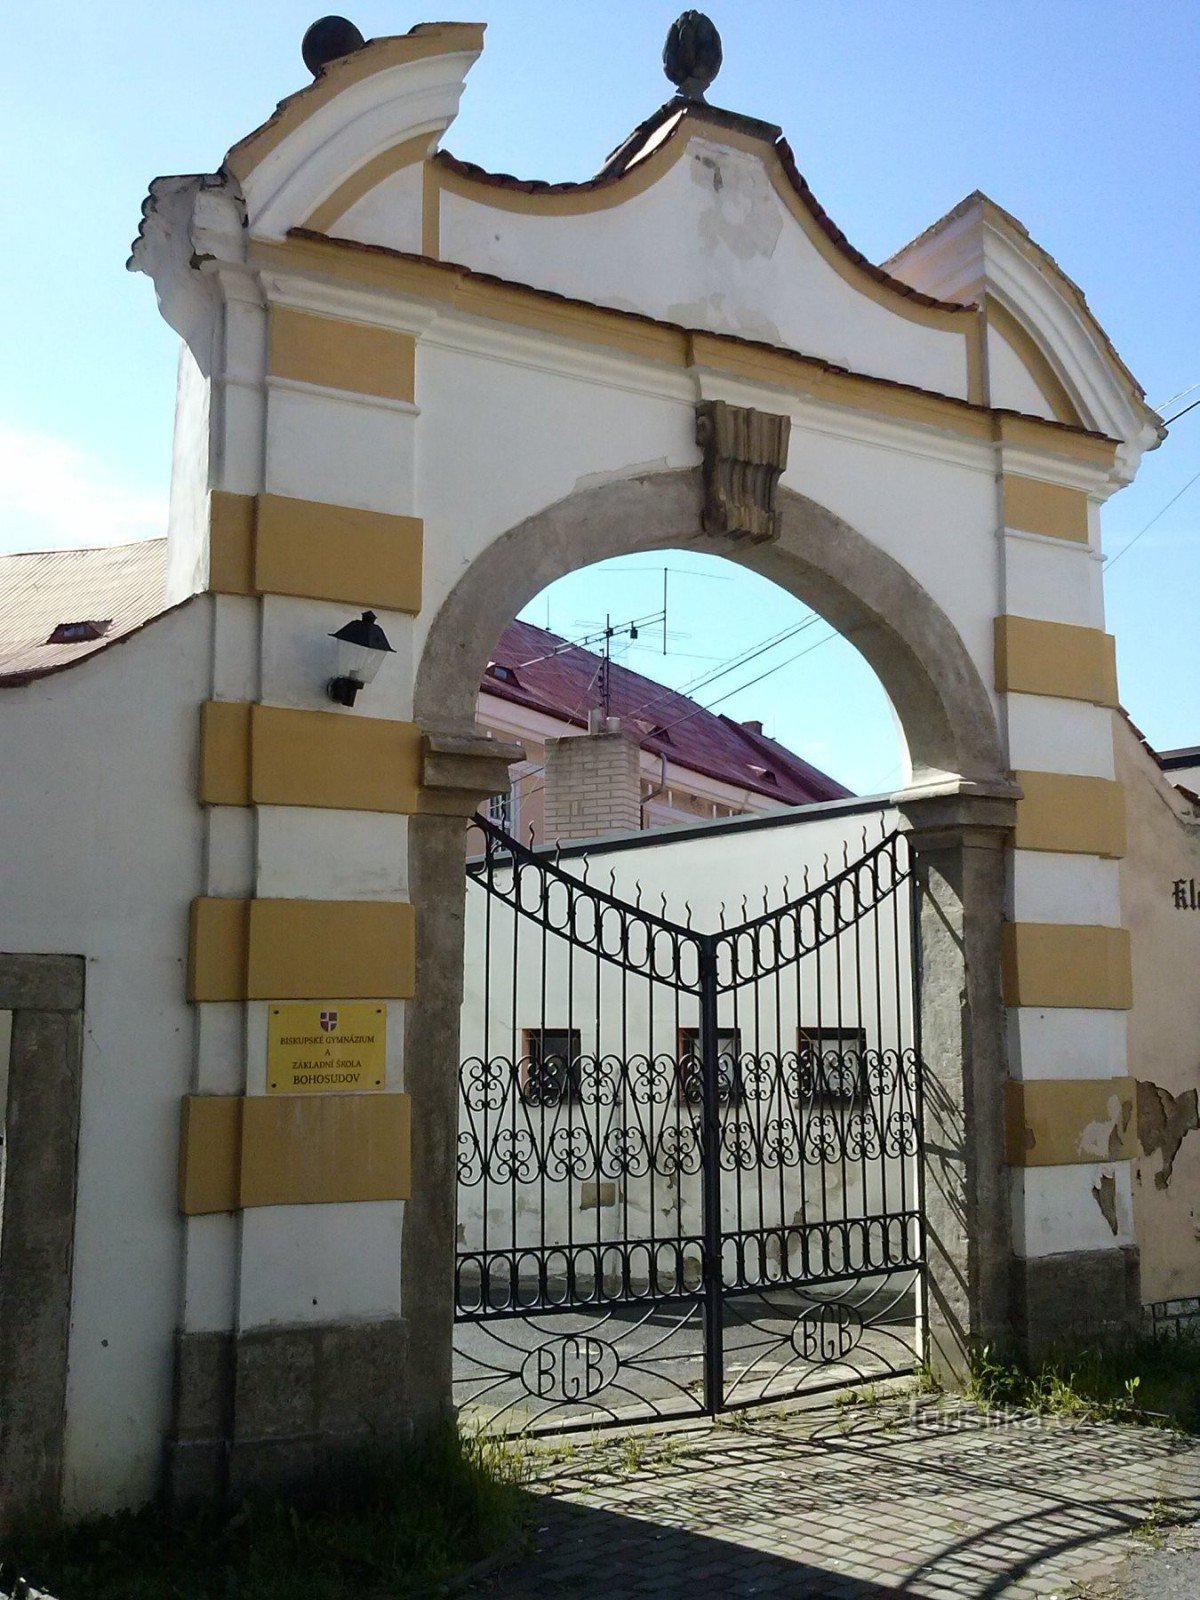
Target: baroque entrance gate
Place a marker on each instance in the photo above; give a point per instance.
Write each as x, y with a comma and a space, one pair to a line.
689, 1171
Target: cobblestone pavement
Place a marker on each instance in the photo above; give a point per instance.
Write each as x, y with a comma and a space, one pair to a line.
899, 1497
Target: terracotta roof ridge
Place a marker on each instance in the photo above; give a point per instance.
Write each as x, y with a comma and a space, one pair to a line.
474, 275
619, 164
880, 274
1013, 225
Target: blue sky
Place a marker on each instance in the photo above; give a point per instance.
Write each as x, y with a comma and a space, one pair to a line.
1081, 116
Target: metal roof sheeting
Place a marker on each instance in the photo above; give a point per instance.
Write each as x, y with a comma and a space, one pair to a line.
41, 590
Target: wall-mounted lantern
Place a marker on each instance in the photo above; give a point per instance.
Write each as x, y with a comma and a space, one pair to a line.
361, 647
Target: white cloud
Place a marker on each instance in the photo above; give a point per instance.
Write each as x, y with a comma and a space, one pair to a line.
54, 495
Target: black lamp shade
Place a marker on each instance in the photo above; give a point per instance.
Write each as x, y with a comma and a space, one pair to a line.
361, 647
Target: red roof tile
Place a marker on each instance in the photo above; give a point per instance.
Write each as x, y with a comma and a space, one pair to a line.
566, 686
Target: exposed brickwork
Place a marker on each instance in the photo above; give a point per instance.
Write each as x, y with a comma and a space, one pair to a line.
592, 785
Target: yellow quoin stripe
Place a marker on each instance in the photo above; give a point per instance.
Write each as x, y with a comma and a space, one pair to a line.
1079, 816
1047, 508
280, 1150
1061, 964
275, 544
270, 755
301, 949
1066, 1122
632, 333
359, 357
1055, 658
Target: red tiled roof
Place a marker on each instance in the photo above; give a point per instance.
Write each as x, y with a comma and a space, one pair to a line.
565, 686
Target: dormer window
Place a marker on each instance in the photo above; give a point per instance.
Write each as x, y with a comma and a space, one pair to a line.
79, 632
503, 674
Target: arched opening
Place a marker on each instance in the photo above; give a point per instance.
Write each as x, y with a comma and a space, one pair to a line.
867, 596
954, 747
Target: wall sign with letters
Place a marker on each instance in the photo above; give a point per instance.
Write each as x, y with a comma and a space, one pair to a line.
1185, 894
326, 1045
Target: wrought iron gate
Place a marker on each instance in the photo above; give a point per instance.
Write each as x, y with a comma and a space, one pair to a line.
689, 1171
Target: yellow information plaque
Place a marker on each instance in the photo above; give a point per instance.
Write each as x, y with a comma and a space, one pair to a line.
326, 1045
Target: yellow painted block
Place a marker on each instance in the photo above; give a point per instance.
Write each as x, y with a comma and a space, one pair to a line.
1055, 658
231, 542
1063, 812
350, 949
1046, 508
217, 949
210, 1153
225, 753
1071, 1121
327, 759
1059, 964
239, 1152
328, 552
336, 354
323, 1149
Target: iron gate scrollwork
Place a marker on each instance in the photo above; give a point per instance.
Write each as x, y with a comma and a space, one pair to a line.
689, 1168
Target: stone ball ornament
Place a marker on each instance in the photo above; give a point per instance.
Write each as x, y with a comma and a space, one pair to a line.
328, 39
692, 54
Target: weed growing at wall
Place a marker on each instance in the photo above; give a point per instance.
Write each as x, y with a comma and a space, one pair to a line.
390, 1526
1145, 1380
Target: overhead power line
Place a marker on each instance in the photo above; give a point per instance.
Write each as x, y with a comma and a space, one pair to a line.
1158, 515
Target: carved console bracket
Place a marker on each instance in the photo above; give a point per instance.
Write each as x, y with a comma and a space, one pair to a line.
745, 452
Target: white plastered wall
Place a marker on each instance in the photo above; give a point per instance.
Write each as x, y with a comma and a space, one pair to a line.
103, 845
710, 245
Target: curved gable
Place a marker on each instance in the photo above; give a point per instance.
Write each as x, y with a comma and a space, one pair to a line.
700, 219
1048, 354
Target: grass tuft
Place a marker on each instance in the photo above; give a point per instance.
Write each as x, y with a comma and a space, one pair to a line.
1144, 1380
394, 1525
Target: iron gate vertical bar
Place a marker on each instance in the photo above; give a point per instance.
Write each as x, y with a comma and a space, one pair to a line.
710, 1077
916, 967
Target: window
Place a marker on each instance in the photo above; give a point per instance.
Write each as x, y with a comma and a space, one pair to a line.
504, 811
729, 1066
79, 632
831, 1063
550, 1066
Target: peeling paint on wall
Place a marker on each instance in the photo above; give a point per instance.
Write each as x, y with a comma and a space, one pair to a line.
1105, 1139
1164, 1121
1105, 1196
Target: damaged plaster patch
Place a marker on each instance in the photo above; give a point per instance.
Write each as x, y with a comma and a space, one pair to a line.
1164, 1121
1105, 1140
1105, 1196
639, 469
744, 216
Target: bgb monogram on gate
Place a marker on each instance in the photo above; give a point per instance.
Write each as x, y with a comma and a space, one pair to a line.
572, 1368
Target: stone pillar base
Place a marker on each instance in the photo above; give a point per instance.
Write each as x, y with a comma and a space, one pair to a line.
1086, 1297
272, 1408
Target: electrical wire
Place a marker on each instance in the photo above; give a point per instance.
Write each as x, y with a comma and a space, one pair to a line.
728, 695
1126, 548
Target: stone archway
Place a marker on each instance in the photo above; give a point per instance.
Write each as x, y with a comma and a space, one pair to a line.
959, 811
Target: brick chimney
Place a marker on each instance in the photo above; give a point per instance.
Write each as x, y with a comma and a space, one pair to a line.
593, 782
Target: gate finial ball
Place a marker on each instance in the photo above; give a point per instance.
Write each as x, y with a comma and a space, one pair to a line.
326, 40
692, 54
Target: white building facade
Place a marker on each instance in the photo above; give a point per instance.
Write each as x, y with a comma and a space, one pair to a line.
412, 387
